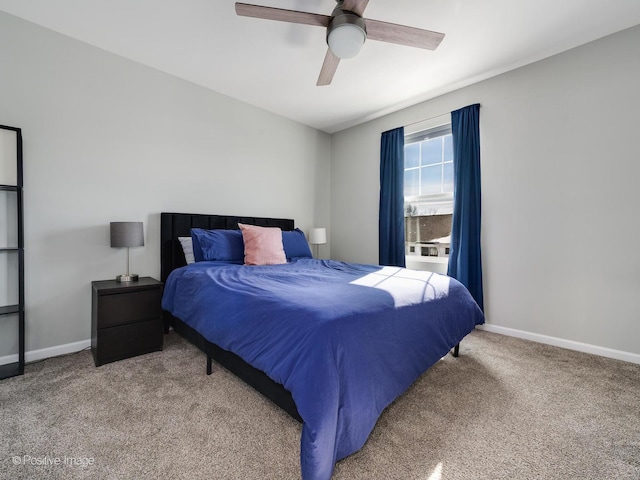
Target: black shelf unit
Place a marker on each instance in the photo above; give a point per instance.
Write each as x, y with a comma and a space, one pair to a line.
15, 368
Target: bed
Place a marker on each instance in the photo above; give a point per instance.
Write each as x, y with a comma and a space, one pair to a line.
332, 343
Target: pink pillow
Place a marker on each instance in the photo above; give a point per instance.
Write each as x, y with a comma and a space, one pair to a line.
262, 245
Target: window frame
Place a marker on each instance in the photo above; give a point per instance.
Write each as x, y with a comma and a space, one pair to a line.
442, 203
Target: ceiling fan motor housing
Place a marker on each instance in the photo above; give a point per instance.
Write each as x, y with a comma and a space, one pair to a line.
346, 33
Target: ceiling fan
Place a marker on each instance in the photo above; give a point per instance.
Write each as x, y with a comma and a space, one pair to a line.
346, 30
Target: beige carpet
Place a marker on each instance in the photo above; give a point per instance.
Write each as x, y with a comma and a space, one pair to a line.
505, 409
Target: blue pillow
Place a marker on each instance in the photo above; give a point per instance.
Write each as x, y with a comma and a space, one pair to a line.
221, 245
295, 244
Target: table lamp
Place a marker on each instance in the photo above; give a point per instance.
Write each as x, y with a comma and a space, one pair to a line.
127, 234
318, 236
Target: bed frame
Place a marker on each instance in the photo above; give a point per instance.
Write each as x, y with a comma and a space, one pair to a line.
174, 225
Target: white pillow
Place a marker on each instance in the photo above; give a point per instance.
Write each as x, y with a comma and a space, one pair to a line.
187, 248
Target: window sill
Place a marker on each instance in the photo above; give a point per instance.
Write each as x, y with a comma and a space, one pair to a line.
418, 258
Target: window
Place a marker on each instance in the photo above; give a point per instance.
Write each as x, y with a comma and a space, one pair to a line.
428, 192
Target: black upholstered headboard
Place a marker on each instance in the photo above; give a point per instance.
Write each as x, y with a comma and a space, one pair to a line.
174, 225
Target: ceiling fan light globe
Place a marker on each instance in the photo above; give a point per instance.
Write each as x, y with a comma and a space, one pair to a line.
346, 40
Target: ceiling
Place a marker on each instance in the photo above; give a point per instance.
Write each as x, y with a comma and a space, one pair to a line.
275, 65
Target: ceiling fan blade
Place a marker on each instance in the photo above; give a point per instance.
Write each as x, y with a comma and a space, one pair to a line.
282, 15
329, 67
355, 6
403, 35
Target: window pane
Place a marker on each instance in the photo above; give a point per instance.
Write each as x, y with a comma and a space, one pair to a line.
412, 155
448, 148
432, 151
411, 183
431, 180
447, 186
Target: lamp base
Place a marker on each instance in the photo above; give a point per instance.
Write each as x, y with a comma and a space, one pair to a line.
133, 277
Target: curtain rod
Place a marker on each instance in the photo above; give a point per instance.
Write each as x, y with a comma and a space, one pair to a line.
426, 119
435, 116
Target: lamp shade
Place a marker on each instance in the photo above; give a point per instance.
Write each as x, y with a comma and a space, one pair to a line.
318, 236
127, 234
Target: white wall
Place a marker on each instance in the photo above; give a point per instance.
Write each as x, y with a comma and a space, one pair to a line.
560, 160
106, 139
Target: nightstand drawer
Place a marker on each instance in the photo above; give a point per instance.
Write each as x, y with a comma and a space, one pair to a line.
121, 308
124, 341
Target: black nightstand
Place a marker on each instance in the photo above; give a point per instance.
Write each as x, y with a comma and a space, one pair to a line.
126, 319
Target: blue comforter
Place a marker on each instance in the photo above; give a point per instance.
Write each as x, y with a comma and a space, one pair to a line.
345, 339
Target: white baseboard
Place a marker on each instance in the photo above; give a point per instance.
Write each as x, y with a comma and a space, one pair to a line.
562, 343
41, 354
35, 355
